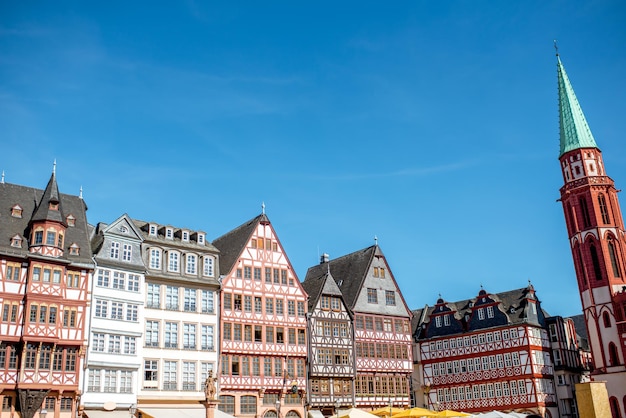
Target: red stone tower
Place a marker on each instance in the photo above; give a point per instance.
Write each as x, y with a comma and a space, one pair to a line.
596, 233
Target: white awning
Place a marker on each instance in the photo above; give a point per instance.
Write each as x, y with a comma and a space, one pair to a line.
118, 413
187, 412
316, 413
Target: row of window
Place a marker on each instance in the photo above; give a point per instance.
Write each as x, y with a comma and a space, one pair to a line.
248, 404
174, 335
44, 357
118, 311
330, 303
332, 329
118, 280
264, 243
233, 365
371, 323
175, 260
53, 237
390, 296
41, 314
51, 275
175, 375
113, 344
49, 404
322, 387
334, 356
169, 233
381, 385
494, 362
255, 333
474, 340
170, 297
110, 381
382, 350
272, 275
482, 391
246, 303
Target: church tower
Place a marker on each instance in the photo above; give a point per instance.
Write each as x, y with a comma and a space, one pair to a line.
596, 234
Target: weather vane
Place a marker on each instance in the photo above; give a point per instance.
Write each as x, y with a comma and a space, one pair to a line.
556, 48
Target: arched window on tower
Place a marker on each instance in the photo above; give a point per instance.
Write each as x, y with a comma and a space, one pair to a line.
607, 320
585, 211
596, 262
614, 258
603, 210
615, 412
578, 255
571, 216
613, 356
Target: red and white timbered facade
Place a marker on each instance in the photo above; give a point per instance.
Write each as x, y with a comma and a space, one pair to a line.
263, 325
45, 272
489, 353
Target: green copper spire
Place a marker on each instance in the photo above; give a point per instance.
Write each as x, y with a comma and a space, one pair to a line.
574, 131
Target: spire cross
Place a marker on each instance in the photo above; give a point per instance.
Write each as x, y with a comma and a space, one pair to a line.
556, 48
54, 166
375, 240
81, 192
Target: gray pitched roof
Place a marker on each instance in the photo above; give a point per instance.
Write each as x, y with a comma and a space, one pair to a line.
348, 271
50, 195
581, 329
28, 199
513, 303
232, 243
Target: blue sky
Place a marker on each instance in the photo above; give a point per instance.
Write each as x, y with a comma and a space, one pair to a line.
432, 125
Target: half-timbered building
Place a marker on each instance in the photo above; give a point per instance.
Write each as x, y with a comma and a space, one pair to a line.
116, 321
382, 332
45, 271
330, 364
263, 320
489, 352
180, 317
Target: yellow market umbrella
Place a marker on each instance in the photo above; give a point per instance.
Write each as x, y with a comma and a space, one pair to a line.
386, 411
451, 413
415, 412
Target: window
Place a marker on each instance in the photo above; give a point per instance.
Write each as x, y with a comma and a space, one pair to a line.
170, 336
115, 344
115, 250
258, 305
189, 375
481, 313
130, 345
372, 295
101, 310
189, 336
152, 334
93, 382
126, 381
153, 230
127, 252
119, 280
190, 300
171, 298
390, 297
208, 266
207, 338
247, 303
155, 258
13, 271
614, 260
191, 264
489, 311
133, 283
257, 274
247, 272
207, 301
248, 405
50, 237
131, 312
150, 370
153, 299
117, 310
227, 404
300, 309
73, 280
603, 210
173, 262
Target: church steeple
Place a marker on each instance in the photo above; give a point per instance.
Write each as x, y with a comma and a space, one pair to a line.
574, 130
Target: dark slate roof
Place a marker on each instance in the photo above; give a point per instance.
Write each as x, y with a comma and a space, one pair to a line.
50, 195
232, 243
28, 198
313, 287
513, 304
348, 271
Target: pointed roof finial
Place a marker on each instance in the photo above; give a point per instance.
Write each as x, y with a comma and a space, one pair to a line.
2, 181
263, 208
556, 48
375, 240
80, 193
54, 166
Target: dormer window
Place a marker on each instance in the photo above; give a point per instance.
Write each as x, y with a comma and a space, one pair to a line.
16, 211
71, 220
53, 206
153, 230
169, 233
16, 241
74, 249
200, 238
185, 236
